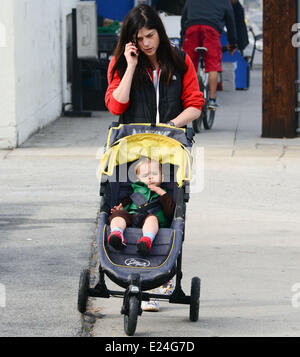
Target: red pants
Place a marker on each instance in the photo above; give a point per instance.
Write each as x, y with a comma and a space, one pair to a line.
204, 36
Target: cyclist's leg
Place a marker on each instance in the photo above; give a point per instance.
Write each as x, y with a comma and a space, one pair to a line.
212, 84
213, 58
191, 40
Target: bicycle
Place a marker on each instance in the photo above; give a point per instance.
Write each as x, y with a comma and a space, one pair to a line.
207, 116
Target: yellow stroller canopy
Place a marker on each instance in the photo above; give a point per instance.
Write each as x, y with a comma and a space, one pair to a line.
158, 147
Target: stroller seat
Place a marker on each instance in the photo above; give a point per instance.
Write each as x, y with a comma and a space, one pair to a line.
155, 269
128, 257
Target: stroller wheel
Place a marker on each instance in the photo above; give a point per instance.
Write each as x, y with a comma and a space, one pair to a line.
84, 283
195, 299
130, 318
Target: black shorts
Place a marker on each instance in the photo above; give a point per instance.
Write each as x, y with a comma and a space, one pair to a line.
131, 219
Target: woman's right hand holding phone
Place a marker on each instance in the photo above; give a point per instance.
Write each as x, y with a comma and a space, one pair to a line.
122, 92
131, 54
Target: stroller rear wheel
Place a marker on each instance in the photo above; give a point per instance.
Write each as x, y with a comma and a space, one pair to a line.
130, 318
84, 283
195, 299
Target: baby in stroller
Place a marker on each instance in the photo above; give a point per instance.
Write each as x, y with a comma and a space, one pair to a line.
148, 207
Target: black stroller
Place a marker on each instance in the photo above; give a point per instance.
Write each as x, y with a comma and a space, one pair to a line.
137, 274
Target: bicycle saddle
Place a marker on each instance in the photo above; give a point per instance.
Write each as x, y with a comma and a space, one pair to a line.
202, 50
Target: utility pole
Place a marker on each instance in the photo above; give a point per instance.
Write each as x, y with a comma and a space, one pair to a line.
279, 69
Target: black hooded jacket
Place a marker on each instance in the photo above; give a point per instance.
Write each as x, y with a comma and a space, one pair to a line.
241, 28
214, 13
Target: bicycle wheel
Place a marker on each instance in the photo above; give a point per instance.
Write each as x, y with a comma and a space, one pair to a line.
202, 86
197, 123
208, 120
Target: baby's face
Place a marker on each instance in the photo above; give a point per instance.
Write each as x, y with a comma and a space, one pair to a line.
150, 173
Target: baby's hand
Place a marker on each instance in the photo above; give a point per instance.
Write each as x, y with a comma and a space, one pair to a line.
117, 208
156, 189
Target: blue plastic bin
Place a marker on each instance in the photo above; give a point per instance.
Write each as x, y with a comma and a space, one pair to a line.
242, 70
114, 9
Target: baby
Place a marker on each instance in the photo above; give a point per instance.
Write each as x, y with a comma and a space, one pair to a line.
149, 207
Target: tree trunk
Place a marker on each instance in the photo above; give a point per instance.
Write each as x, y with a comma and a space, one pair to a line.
279, 69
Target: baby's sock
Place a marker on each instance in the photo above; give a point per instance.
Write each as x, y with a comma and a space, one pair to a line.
149, 235
117, 229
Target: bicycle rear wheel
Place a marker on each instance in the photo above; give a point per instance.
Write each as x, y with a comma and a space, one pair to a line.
208, 120
202, 80
197, 123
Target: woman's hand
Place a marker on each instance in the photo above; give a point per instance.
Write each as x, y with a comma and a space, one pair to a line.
122, 92
131, 54
116, 208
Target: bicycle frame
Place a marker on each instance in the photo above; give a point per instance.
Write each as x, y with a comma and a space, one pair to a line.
208, 114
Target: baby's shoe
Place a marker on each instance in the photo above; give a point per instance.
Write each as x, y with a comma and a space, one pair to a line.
144, 245
116, 240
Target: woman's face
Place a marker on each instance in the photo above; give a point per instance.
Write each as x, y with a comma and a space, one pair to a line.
148, 41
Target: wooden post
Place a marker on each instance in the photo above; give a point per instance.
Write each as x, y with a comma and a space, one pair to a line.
279, 69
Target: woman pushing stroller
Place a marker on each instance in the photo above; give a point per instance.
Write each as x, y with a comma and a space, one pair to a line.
149, 81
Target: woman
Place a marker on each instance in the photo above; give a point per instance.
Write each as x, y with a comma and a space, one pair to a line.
151, 81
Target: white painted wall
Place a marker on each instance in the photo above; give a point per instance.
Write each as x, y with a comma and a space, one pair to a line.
7, 75
35, 66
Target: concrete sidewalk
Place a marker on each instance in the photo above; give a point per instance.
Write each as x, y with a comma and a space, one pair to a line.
242, 234
242, 231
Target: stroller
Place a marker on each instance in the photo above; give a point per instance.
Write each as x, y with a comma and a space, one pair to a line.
136, 274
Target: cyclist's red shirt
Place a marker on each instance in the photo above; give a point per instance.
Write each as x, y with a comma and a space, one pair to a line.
191, 95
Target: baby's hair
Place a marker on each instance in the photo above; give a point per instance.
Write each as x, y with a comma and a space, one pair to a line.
144, 160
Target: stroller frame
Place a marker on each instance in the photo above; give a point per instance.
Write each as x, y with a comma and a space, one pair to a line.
134, 292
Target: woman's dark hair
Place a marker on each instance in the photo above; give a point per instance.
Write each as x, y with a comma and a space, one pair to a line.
169, 60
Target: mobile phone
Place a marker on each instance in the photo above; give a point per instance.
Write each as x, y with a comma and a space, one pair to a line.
132, 53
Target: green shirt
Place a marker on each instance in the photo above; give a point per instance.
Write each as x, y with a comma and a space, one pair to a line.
149, 196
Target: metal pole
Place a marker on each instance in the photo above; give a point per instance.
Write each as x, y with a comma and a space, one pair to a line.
77, 105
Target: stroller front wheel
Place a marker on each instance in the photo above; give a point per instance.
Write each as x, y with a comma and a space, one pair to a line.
130, 318
195, 299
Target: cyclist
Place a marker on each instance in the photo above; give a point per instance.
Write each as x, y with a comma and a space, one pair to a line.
202, 23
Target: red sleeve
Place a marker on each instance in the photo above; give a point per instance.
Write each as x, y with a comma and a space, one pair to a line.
112, 104
191, 95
